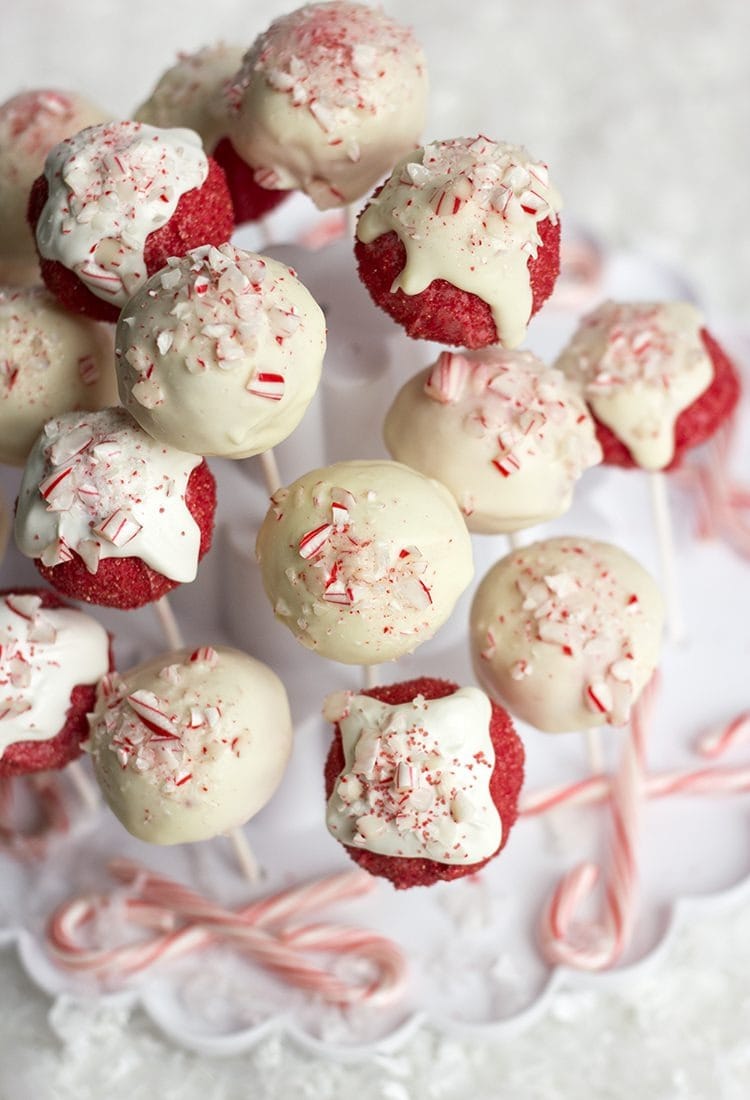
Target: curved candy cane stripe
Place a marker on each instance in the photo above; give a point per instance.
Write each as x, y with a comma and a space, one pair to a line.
161, 904
736, 732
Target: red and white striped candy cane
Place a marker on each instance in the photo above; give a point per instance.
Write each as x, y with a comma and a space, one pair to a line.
595, 945
723, 504
190, 922
718, 741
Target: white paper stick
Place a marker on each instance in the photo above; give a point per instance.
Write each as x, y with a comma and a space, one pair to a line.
271, 473
370, 675
245, 857
665, 539
87, 791
172, 632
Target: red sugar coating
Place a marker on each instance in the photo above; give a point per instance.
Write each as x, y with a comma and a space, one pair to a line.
697, 422
505, 787
251, 201
25, 757
442, 312
203, 215
127, 583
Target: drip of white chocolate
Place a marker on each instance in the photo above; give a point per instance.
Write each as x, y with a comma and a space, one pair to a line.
416, 776
468, 211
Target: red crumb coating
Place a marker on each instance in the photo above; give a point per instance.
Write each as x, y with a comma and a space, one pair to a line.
25, 757
203, 215
505, 787
697, 422
127, 583
442, 312
251, 201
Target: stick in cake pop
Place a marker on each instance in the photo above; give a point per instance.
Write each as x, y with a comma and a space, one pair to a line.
422, 780
109, 515
191, 93
327, 100
31, 123
363, 561
114, 203
51, 361
657, 384
461, 244
507, 435
220, 353
190, 744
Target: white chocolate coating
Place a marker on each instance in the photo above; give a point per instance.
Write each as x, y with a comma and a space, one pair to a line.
364, 561
416, 779
221, 352
110, 186
566, 633
190, 93
51, 361
507, 435
189, 744
468, 211
44, 653
97, 484
639, 365
327, 100
30, 124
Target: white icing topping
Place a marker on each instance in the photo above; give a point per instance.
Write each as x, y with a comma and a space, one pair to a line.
30, 124
190, 93
220, 352
506, 434
328, 98
416, 779
363, 561
98, 485
640, 364
566, 633
44, 653
190, 744
468, 211
51, 360
110, 186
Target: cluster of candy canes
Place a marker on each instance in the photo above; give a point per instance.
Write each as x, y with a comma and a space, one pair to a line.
182, 921
723, 503
598, 944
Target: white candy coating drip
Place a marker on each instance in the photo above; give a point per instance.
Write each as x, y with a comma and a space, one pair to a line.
363, 561
44, 653
468, 211
416, 779
566, 633
506, 434
190, 93
190, 744
97, 484
328, 98
640, 364
110, 186
221, 352
51, 360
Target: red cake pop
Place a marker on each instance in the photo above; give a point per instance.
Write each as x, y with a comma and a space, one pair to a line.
51, 659
461, 245
115, 202
422, 780
111, 516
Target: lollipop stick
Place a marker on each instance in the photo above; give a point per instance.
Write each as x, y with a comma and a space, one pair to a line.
87, 792
351, 219
172, 632
514, 540
270, 471
245, 857
665, 538
370, 675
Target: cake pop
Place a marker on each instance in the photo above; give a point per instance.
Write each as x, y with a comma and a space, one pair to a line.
190, 744
327, 100
507, 435
461, 244
51, 361
363, 561
115, 202
220, 353
109, 515
422, 780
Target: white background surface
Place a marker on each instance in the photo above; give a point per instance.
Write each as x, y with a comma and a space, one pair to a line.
642, 115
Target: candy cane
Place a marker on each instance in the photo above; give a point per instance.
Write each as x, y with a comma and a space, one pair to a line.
716, 742
723, 504
186, 922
